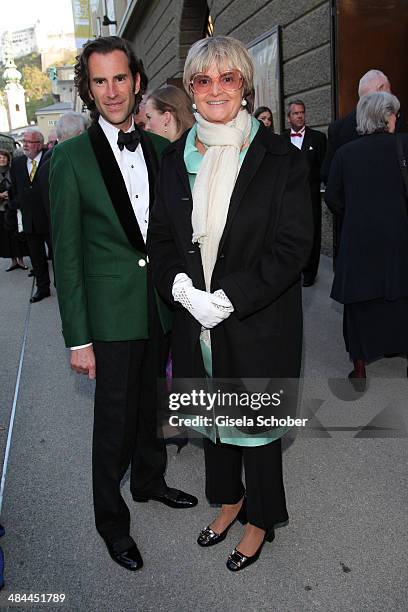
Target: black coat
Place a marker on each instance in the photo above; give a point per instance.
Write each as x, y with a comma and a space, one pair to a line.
264, 247
44, 187
365, 184
339, 132
26, 196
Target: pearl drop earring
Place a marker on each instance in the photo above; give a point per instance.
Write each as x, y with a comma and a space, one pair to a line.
194, 106
243, 102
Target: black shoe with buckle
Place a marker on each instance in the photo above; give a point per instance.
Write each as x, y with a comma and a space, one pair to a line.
237, 561
174, 498
208, 537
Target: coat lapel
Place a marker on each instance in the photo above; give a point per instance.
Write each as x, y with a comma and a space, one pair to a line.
151, 162
116, 187
250, 165
307, 141
261, 144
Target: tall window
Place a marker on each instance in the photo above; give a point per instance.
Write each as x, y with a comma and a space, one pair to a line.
17, 108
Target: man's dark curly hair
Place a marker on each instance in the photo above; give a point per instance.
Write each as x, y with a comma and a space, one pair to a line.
104, 45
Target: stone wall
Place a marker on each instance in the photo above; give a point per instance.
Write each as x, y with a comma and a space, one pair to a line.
163, 30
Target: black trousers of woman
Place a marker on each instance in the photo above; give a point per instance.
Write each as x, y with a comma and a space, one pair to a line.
266, 504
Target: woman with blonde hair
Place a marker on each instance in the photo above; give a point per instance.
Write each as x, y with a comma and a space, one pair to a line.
229, 236
168, 112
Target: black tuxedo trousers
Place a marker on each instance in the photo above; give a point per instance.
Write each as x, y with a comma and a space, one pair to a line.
36, 244
310, 271
125, 425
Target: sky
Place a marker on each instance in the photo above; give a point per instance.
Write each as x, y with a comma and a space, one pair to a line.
53, 14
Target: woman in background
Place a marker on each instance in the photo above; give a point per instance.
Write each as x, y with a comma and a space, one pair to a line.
168, 112
264, 114
371, 276
10, 247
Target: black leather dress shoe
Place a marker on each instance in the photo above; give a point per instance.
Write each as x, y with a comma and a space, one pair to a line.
237, 561
130, 559
208, 537
171, 497
39, 295
31, 273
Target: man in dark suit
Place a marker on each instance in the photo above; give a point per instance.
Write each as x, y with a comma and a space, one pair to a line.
101, 187
25, 196
312, 143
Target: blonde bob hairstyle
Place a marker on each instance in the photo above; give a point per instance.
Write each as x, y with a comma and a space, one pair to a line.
175, 101
226, 53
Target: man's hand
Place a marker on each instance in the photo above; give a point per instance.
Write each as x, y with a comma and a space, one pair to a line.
4, 195
83, 361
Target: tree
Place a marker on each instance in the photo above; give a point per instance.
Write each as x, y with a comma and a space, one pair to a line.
68, 59
37, 85
32, 59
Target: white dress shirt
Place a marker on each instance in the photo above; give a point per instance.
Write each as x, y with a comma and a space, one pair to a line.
30, 162
134, 171
297, 140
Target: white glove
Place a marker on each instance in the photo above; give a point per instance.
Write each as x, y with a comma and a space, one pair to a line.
209, 309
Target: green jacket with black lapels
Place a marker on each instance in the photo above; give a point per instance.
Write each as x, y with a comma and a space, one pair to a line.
101, 264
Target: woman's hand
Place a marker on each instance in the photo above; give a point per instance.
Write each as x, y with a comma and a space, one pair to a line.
209, 309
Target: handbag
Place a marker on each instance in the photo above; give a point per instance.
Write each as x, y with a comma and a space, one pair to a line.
403, 164
10, 219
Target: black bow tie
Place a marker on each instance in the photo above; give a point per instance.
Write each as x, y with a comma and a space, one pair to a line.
130, 140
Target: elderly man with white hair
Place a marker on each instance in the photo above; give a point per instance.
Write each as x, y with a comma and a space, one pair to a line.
344, 130
70, 124
24, 197
373, 81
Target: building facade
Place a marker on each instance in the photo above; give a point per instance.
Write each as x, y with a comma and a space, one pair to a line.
162, 32
48, 116
62, 84
23, 41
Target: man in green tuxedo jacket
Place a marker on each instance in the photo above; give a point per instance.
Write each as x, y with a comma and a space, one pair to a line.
101, 188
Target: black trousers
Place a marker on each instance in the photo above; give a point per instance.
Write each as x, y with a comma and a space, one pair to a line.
38, 256
125, 427
266, 503
310, 271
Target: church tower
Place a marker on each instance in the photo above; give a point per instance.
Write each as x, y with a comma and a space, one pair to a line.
13, 91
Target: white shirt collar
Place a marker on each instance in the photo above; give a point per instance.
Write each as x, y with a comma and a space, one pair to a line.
111, 131
37, 158
301, 131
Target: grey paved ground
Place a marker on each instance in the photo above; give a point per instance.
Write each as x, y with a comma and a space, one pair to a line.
345, 548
